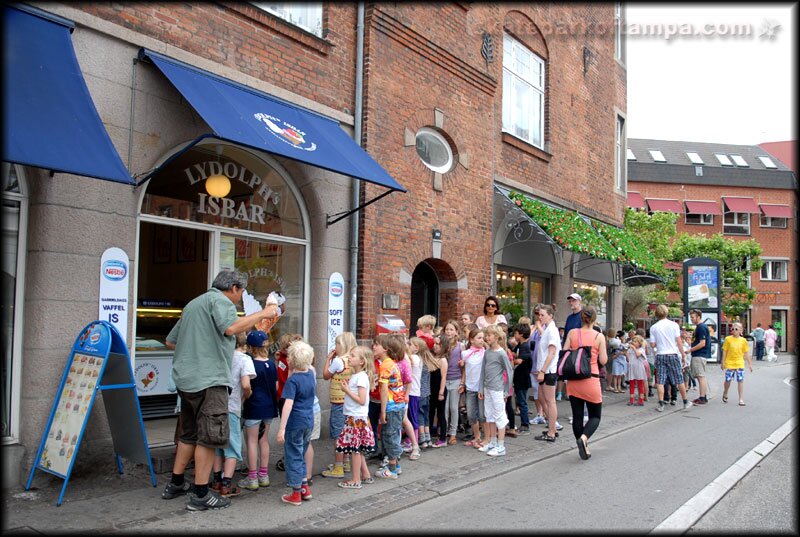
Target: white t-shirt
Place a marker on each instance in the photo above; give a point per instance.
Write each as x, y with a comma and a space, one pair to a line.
351, 406
337, 365
473, 361
416, 374
549, 337
241, 366
663, 334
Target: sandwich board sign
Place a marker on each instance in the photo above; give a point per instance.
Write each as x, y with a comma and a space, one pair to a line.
98, 363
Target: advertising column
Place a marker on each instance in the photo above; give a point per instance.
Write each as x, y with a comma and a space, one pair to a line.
701, 291
113, 306
335, 308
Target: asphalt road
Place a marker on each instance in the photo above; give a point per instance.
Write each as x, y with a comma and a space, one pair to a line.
639, 476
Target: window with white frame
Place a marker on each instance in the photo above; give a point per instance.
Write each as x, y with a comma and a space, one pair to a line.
619, 34
694, 157
700, 219
736, 224
621, 164
767, 162
723, 159
306, 15
739, 161
775, 270
523, 92
657, 155
773, 221
630, 154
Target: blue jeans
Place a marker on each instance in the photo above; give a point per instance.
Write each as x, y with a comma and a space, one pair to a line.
521, 396
759, 350
391, 432
294, 450
336, 421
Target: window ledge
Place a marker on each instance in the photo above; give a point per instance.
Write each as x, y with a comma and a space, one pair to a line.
524, 146
283, 27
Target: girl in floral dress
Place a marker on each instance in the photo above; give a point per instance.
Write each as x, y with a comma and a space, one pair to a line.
356, 437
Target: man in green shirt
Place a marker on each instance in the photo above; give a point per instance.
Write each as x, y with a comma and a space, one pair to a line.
203, 341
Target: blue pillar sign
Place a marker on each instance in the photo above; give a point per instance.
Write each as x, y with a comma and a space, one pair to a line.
99, 362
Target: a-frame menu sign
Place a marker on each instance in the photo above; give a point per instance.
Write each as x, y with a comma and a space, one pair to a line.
99, 362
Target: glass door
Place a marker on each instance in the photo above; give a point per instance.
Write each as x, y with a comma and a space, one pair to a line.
779, 325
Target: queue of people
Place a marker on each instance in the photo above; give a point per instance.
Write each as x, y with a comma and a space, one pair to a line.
401, 394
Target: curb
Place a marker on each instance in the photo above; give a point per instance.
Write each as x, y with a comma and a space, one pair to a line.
689, 513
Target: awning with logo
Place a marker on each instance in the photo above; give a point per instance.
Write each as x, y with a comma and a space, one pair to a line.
702, 207
246, 116
741, 205
665, 206
49, 118
776, 211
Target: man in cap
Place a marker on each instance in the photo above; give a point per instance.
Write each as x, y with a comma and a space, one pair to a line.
573, 321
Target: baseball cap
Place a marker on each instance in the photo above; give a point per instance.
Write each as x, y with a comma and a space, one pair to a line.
257, 338
576, 296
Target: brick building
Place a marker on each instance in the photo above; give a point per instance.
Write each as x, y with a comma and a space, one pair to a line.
738, 190
459, 103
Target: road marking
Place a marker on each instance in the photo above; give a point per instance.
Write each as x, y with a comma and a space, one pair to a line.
689, 513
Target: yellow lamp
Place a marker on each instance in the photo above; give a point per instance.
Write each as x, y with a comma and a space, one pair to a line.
218, 186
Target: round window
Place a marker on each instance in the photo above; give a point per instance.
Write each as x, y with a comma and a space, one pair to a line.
434, 150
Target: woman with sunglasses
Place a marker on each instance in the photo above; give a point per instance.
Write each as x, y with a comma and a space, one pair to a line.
491, 313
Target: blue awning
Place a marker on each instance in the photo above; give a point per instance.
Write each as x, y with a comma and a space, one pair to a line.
49, 119
249, 117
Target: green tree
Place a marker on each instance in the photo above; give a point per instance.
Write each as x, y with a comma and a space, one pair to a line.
738, 259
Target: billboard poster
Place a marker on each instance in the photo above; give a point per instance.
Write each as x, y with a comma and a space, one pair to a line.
702, 287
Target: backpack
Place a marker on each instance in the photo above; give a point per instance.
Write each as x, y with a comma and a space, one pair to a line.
576, 364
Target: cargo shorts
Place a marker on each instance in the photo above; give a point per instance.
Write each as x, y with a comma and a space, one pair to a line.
204, 417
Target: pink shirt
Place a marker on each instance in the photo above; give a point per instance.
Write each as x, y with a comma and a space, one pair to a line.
770, 337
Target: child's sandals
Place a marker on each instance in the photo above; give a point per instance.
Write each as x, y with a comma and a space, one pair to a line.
471, 443
724, 398
349, 485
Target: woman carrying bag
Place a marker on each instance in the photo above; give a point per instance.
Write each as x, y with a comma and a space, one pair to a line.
586, 393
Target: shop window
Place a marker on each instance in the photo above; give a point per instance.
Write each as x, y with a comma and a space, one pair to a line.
523, 92
518, 293
306, 15
594, 295
774, 222
736, 224
14, 224
701, 219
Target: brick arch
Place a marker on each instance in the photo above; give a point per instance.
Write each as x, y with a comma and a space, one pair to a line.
519, 25
449, 294
451, 129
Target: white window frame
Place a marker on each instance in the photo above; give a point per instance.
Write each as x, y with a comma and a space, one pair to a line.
620, 42
723, 159
696, 159
537, 87
768, 269
442, 140
702, 219
739, 161
657, 155
292, 12
773, 222
621, 161
629, 153
768, 162
15, 348
739, 222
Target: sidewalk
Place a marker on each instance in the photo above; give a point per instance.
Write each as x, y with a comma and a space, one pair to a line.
114, 503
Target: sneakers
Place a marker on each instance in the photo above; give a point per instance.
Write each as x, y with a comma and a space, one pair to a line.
385, 473
305, 492
558, 396
173, 491
672, 402
640, 403
486, 447
211, 500
337, 472
699, 401
558, 426
293, 499
497, 451
511, 433
249, 483
439, 443
660, 407
524, 430
538, 420
687, 405
408, 448
263, 480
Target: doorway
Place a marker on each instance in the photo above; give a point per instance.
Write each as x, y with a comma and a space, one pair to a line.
779, 325
424, 294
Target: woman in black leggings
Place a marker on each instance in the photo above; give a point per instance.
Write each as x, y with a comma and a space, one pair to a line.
586, 393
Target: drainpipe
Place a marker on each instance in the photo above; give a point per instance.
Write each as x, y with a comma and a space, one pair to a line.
356, 184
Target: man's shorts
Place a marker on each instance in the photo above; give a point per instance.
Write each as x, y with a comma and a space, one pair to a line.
698, 367
234, 449
729, 374
668, 369
204, 417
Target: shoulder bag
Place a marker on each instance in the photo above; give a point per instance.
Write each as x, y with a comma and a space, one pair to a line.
576, 364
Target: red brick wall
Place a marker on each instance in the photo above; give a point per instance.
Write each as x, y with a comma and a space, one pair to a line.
254, 42
780, 243
418, 61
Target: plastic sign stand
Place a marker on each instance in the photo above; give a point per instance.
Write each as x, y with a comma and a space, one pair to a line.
99, 362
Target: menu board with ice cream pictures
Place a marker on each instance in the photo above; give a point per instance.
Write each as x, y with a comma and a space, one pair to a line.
99, 363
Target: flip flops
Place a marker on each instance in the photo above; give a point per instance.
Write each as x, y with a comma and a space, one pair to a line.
741, 403
582, 449
724, 398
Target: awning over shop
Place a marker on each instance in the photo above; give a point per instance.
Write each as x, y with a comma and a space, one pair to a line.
635, 200
702, 207
776, 211
251, 118
49, 119
741, 205
664, 206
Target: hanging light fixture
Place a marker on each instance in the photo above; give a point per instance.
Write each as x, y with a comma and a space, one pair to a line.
218, 185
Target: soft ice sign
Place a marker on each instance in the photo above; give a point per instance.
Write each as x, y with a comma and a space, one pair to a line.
335, 308
113, 304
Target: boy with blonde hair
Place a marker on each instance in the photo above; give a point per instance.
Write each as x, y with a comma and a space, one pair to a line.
297, 420
734, 352
425, 326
